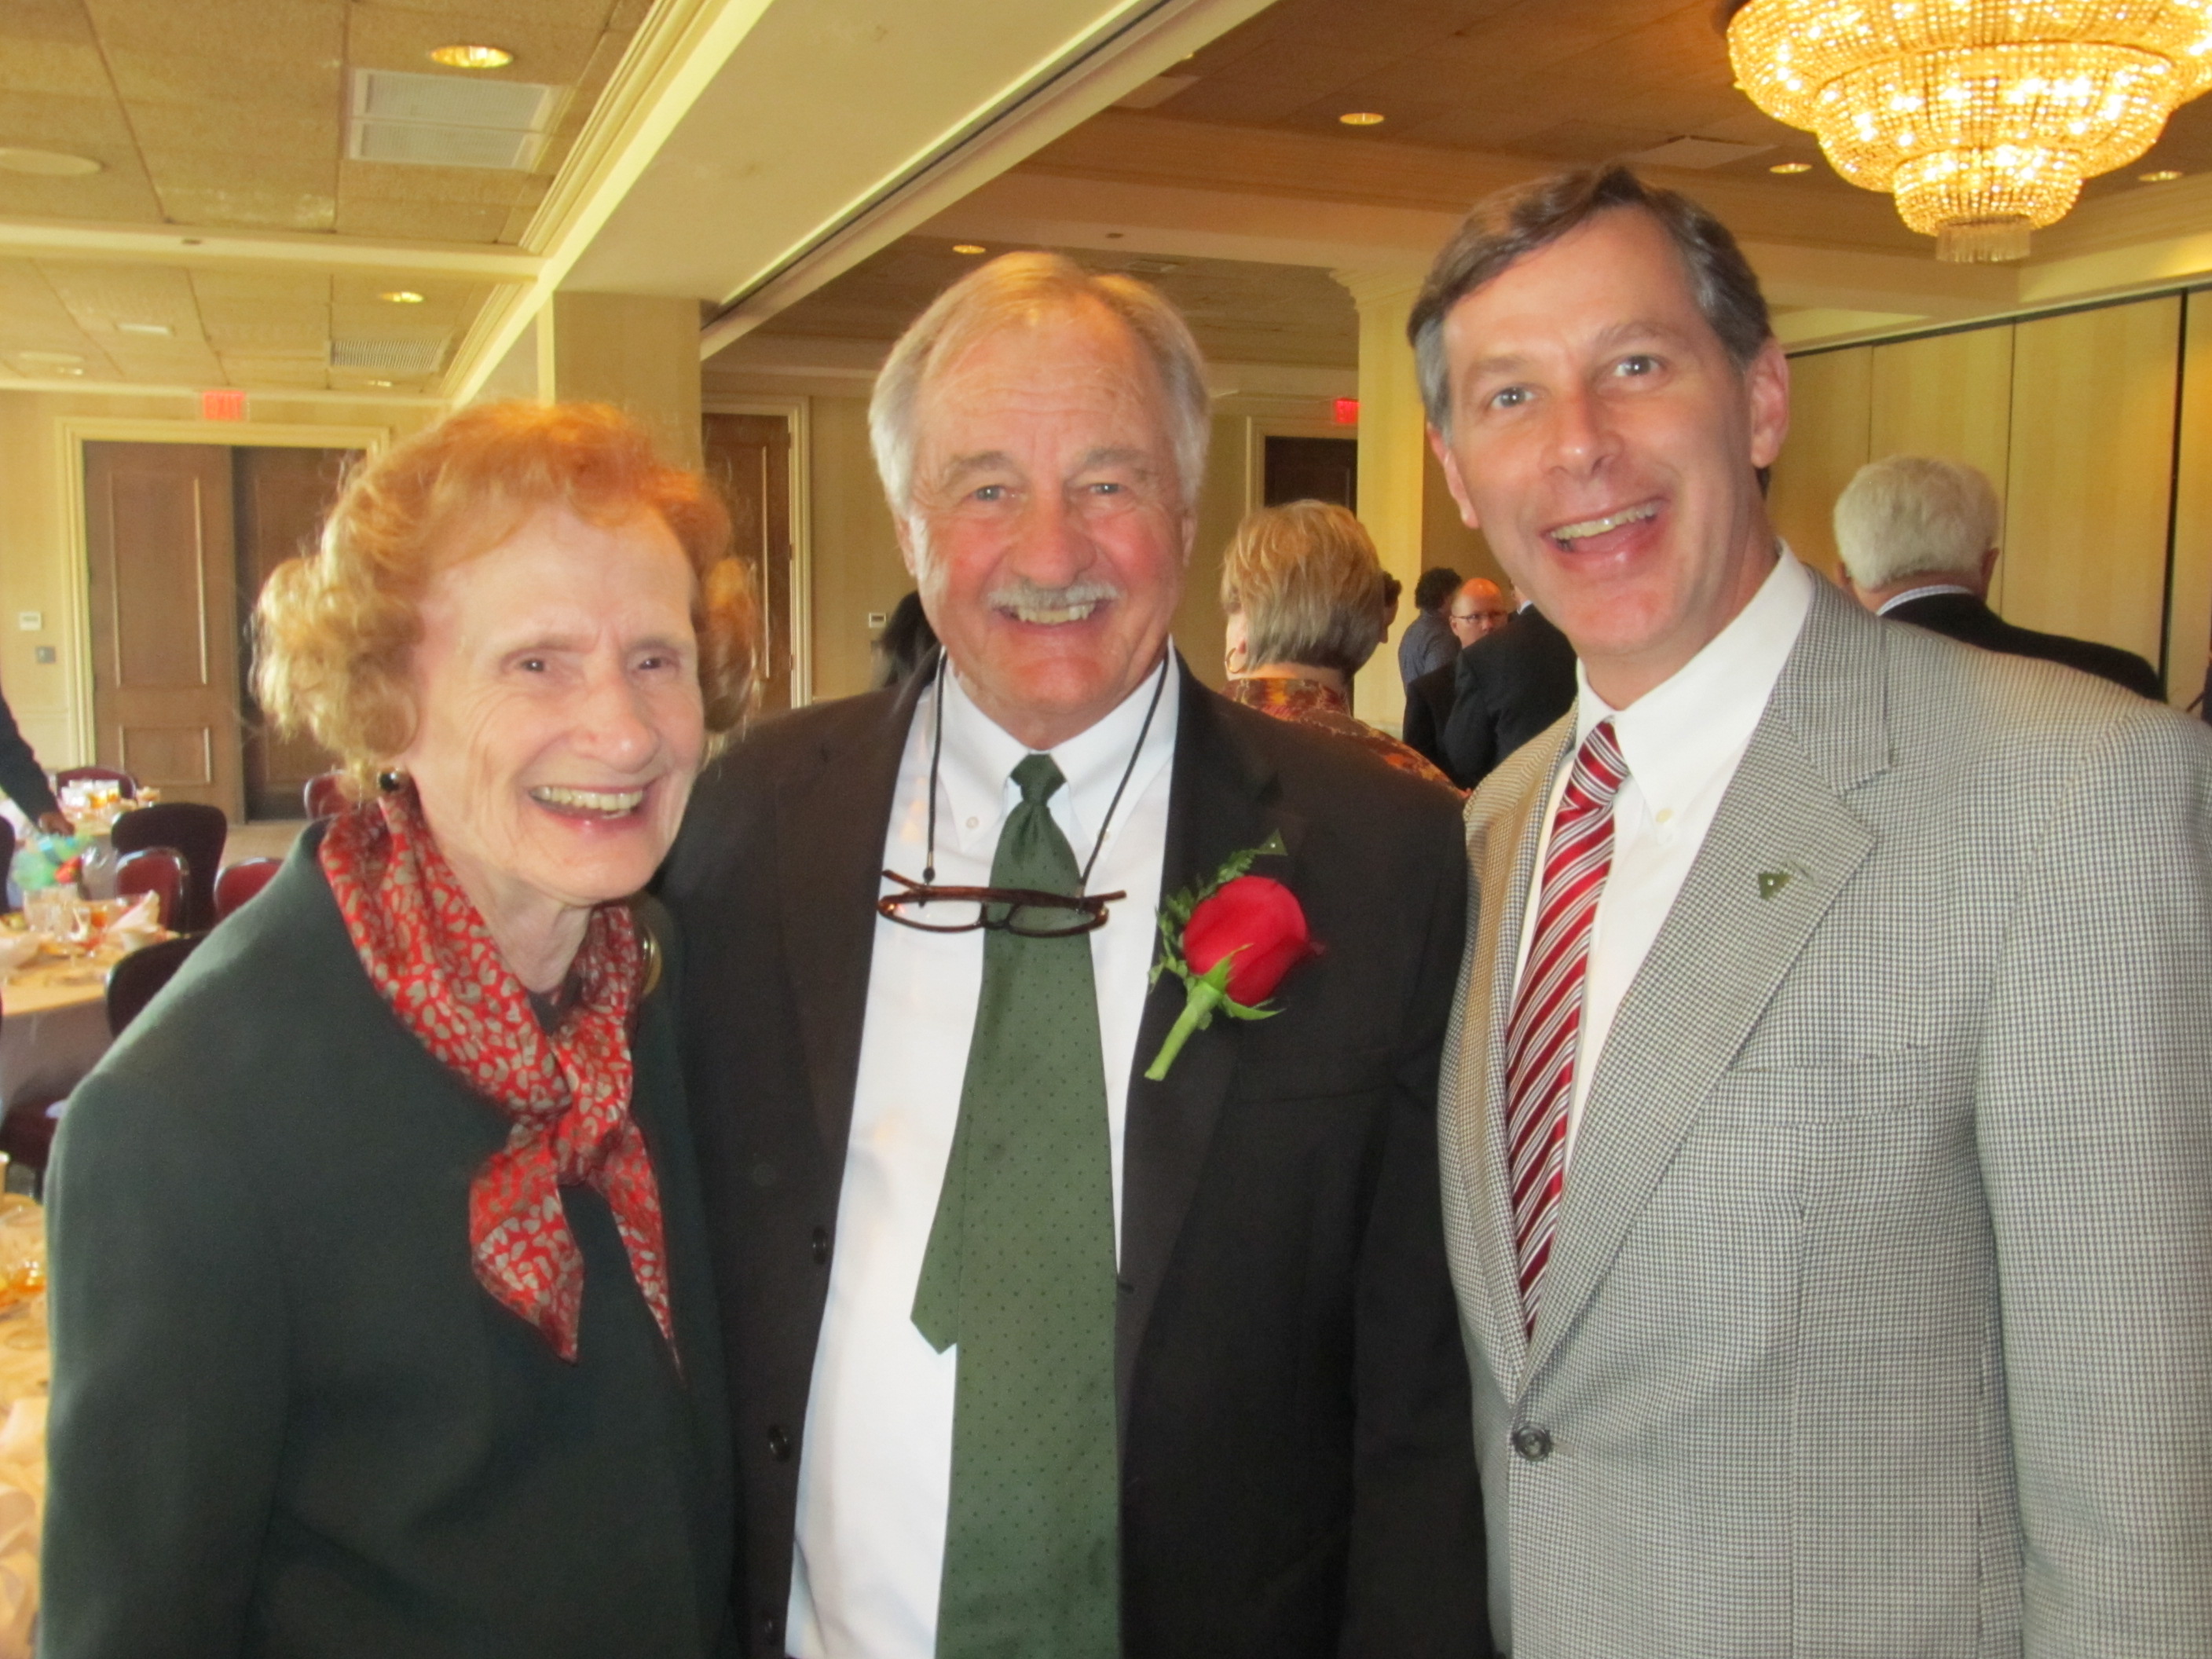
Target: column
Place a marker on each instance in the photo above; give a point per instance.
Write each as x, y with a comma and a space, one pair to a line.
639, 352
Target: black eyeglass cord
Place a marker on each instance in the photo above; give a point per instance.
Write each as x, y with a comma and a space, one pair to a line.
936, 755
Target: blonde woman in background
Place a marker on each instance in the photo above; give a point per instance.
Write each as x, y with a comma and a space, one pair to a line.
1303, 588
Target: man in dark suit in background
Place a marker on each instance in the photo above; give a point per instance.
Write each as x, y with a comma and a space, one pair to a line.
1427, 643
1505, 690
1231, 1422
23, 781
1478, 610
1918, 538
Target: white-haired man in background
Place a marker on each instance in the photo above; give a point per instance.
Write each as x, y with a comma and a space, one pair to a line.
1040, 1349
1919, 541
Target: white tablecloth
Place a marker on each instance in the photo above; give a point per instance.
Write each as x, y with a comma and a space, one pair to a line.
53, 1029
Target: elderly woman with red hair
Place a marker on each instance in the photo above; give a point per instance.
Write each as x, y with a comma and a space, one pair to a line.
380, 1309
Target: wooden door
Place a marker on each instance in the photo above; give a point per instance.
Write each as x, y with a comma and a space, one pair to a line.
1310, 469
749, 456
165, 648
280, 497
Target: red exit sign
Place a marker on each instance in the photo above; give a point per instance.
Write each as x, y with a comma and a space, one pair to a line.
1348, 411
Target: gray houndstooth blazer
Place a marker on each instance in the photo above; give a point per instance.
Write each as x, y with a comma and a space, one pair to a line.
1878, 1318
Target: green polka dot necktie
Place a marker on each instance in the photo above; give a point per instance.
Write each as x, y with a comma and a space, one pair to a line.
1020, 1273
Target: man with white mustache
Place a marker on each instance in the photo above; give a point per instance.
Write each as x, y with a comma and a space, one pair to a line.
1827, 1139
1049, 1341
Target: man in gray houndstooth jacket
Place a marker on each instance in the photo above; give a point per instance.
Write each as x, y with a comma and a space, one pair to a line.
1826, 1124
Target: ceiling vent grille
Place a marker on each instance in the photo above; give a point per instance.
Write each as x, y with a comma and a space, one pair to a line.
395, 358
450, 120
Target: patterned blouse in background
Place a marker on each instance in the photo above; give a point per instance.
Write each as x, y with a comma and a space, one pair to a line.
1309, 702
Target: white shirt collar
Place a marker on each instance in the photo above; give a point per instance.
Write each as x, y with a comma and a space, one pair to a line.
979, 756
1927, 593
1678, 734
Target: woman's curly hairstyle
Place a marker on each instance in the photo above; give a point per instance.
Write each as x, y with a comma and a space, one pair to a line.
335, 628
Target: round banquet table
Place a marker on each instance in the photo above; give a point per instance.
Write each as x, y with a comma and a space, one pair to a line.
53, 1027
25, 1370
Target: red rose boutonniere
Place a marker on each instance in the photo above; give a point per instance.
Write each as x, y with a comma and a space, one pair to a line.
1230, 941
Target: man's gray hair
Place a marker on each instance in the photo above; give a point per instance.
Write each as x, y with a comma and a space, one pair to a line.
1305, 577
1507, 226
1022, 289
1914, 515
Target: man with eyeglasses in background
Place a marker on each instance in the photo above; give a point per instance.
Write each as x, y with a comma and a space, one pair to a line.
1047, 1337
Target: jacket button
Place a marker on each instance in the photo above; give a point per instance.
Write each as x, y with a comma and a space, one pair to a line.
779, 1445
771, 1627
1533, 1444
820, 1245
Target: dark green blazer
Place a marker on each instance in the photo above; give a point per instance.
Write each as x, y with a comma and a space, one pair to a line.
286, 1419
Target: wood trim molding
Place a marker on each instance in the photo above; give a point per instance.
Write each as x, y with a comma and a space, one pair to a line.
797, 413
205, 245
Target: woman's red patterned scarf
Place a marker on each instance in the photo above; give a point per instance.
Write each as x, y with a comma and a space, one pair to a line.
567, 1091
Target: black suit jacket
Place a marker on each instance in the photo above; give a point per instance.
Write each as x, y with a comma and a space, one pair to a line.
1298, 1471
1510, 686
22, 779
1428, 710
1963, 618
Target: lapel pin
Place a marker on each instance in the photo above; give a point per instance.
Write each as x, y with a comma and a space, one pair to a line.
1771, 882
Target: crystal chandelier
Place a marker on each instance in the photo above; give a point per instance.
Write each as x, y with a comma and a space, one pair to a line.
1981, 116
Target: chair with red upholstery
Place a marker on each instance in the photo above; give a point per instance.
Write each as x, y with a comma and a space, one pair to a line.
26, 1134
196, 830
125, 785
240, 882
156, 869
325, 795
133, 982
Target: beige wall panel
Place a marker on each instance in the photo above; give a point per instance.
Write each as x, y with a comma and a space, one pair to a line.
1199, 622
2090, 469
2189, 625
857, 566
1950, 396
1830, 410
638, 352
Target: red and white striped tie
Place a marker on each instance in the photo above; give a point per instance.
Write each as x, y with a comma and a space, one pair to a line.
1541, 1039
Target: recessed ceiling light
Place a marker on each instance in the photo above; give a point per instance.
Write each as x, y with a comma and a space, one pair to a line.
1361, 118
48, 163
2163, 176
969, 247
376, 383
152, 331
401, 297
1791, 167
472, 57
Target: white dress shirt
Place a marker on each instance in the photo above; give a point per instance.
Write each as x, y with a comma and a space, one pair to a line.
1682, 740
1928, 592
875, 1465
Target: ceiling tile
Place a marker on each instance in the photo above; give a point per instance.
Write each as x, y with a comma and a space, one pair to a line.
48, 120
117, 197
390, 181
254, 207
245, 369
70, 68
523, 14
276, 143
308, 86
242, 31
216, 288
444, 222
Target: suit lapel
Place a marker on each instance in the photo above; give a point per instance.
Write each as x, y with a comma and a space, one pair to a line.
830, 819
1222, 798
1781, 847
1502, 848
